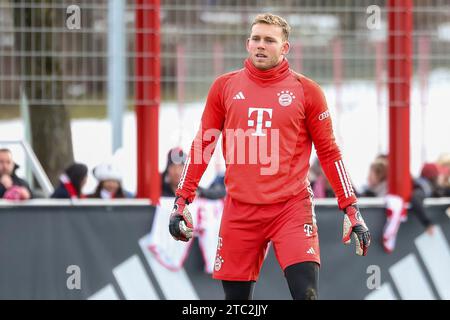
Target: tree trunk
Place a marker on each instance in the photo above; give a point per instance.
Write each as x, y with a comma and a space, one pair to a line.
39, 67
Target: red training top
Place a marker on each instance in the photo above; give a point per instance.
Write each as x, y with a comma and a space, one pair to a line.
268, 121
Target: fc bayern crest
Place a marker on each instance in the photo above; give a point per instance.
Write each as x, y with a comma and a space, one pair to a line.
218, 263
285, 98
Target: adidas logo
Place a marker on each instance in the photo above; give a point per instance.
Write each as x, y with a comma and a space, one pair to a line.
133, 280
431, 261
239, 96
311, 251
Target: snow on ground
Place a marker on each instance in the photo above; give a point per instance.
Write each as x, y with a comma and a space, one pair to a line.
360, 130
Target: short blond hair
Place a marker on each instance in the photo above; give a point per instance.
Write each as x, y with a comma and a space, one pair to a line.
272, 19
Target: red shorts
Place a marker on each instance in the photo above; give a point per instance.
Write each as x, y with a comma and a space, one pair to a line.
246, 230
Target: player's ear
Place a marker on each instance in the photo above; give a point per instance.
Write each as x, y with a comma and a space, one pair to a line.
247, 45
285, 48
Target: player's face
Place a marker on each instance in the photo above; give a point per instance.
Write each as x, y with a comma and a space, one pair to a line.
266, 47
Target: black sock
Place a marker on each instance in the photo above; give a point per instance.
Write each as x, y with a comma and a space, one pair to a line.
238, 290
303, 279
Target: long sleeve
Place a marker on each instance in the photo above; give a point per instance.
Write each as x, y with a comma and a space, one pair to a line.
320, 128
204, 142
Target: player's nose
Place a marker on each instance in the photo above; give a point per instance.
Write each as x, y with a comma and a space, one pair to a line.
260, 45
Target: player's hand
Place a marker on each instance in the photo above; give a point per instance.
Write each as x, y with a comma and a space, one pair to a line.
180, 225
354, 225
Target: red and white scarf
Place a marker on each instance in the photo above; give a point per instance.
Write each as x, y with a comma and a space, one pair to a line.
69, 186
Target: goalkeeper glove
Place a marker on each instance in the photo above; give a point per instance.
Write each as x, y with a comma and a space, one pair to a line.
354, 224
180, 224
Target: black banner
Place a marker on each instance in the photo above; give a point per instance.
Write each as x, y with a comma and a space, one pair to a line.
94, 252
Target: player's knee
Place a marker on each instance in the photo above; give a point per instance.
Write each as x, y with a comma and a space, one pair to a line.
310, 294
304, 293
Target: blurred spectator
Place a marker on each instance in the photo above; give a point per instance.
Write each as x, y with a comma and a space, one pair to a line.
176, 159
11, 186
376, 180
382, 157
444, 162
110, 183
429, 184
319, 183
71, 182
431, 180
216, 190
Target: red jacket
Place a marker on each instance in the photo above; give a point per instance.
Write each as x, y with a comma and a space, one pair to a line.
268, 121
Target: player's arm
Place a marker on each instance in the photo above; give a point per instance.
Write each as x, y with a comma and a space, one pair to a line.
318, 121
180, 225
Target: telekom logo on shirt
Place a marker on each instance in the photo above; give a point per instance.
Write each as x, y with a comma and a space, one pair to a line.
252, 146
259, 120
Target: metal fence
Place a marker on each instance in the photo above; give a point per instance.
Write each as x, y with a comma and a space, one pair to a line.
334, 42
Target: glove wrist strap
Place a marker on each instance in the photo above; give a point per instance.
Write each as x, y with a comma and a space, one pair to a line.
179, 197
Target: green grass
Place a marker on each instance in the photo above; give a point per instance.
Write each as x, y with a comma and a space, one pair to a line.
77, 111
9, 112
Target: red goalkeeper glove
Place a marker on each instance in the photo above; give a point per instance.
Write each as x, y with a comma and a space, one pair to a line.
180, 225
354, 224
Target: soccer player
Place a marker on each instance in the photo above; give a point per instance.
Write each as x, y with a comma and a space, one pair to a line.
268, 116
